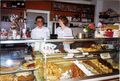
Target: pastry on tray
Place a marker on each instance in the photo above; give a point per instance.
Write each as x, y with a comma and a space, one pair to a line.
8, 77
91, 68
92, 48
5, 69
9, 66
76, 72
53, 71
25, 76
101, 66
29, 65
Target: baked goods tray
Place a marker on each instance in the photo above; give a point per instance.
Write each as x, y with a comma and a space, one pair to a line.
101, 51
17, 71
103, 77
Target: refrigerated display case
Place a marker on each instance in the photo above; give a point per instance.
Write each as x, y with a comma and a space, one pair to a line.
88, 59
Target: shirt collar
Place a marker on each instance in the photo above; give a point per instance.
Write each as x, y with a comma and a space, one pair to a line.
39, 28
64, 28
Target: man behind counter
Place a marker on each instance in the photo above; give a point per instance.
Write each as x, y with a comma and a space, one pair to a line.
40, 32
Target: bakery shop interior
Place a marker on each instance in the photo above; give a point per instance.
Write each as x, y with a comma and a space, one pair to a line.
60, 40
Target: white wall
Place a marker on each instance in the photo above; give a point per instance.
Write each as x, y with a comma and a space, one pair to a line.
103, 5
98, 8
115, 5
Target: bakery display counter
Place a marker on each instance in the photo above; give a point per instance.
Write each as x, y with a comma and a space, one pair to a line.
80, 63
60, 69
95, 62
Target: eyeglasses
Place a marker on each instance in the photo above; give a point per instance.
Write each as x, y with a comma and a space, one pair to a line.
39, 21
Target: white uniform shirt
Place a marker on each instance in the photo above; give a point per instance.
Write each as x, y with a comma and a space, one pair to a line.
62, 33
40, 33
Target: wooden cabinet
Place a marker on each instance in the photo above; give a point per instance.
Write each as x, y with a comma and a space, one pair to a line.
83, 11
39, 5
64, 9
12, 7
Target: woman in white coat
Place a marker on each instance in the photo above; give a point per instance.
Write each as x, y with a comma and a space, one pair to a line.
64, 32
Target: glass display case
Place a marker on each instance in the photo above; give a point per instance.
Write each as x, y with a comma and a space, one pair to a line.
84, 59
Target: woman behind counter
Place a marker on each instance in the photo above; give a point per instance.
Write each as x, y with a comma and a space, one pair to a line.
64, 32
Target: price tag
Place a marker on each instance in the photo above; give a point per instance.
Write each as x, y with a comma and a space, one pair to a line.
85, 53
105, 55
28, 58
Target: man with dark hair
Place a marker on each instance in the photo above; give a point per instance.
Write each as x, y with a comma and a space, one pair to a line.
40, 32
39, 17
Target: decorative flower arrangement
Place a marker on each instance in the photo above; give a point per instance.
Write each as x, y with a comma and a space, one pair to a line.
89, 28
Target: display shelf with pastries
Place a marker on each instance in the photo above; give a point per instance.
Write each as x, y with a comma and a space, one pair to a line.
66, 70
15, 66
89, 58
77, 63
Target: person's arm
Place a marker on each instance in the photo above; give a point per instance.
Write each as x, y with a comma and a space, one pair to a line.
69, 34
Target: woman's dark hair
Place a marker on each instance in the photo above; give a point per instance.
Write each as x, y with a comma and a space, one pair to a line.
40, 17
64, 20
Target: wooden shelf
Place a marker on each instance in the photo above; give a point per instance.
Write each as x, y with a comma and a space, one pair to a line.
72, 9
13, 8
